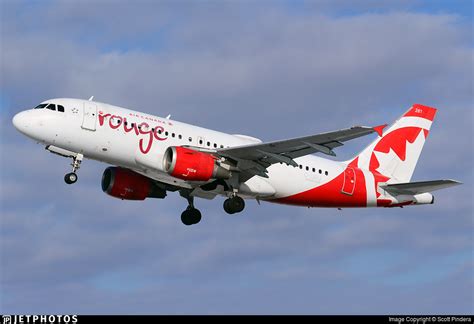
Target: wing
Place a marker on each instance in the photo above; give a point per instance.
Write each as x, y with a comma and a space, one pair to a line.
414, 188
255, 158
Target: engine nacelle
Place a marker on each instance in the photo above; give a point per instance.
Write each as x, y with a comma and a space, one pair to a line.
187, 164
126, 184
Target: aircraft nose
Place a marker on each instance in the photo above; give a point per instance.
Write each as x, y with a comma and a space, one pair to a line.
20, 121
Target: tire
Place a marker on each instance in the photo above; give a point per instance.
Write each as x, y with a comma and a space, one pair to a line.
228, 206
238, 204
186, 218
195, 215
70, 178
234, 205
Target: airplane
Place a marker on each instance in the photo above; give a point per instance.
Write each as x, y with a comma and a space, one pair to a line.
154, 155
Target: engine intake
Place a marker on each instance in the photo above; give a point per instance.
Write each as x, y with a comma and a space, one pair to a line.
187, 164
126, 184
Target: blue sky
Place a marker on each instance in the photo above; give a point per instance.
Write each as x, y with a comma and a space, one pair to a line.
300, 67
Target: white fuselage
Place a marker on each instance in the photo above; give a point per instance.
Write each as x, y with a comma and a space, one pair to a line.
138, 141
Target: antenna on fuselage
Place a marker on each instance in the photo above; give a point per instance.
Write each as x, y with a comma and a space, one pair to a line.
168, 117
90, 99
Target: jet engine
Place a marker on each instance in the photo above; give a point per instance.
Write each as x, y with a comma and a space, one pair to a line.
187, 164
126, 184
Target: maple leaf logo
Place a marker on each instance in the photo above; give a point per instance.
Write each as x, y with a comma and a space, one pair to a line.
395, 155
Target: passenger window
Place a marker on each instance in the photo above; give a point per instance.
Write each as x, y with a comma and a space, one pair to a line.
326, 173
215, 145
307, 168
200, 141
51, 107
190, 139
41, 106
179, 136
208, 143
314, 170
60, 108
172, 134
320, 171
166, 133
222, 146
301, 167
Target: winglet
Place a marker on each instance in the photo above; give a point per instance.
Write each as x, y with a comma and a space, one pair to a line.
379, 129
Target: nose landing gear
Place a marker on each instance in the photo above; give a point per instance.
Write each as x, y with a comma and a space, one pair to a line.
71, 177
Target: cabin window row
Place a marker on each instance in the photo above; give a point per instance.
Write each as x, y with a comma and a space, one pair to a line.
174, 135
307, 168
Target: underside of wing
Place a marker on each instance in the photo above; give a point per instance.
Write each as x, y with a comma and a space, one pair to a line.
414, 188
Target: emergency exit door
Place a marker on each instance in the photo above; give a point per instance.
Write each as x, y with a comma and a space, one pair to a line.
349, 181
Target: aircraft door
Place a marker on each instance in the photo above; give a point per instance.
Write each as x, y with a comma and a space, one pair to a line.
89, 116
349, 181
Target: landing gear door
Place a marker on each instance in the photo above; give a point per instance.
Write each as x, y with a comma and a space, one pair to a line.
349, 181
89, 116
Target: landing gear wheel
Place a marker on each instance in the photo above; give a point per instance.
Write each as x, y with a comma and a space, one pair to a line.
70, 178
228, 209
195, 215
186, 219
191, 216
234, 205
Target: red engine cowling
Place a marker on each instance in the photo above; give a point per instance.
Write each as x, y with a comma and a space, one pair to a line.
187, 164
126, 184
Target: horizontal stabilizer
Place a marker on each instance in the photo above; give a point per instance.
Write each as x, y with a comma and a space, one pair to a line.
415, 188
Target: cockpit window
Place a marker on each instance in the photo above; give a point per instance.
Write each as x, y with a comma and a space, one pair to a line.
50, 106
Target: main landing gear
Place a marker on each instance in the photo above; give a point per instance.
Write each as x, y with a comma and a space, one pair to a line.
191, 215
71, 177
234, 205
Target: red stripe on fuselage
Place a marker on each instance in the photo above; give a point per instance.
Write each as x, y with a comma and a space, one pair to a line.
330, 194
